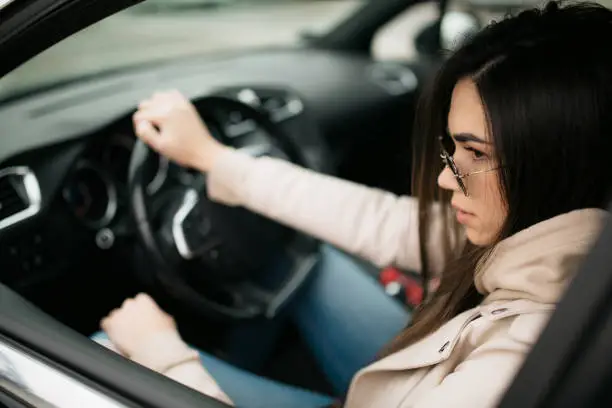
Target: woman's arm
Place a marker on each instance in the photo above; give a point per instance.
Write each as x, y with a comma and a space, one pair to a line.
372, 224
167, 353
142, 331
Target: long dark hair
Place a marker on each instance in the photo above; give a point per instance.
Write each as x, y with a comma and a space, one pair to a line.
545, 80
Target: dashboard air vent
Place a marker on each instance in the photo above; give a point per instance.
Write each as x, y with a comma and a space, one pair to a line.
279, 105
19, 195
397, 79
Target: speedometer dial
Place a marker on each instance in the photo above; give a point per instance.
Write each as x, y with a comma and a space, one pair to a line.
116, 158
91, 195
116, 155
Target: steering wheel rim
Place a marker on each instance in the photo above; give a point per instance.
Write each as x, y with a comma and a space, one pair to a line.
255, 301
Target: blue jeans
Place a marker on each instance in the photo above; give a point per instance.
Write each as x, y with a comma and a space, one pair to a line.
345, 318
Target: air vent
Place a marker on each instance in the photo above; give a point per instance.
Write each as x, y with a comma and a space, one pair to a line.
12, 199
19, 195
395, 78
280, 106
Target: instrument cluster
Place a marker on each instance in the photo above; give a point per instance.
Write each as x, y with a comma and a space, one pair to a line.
97, 186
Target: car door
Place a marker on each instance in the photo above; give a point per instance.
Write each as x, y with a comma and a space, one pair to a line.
46, 364
42, 362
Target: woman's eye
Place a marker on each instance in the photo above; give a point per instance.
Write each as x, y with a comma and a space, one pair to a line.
477, 154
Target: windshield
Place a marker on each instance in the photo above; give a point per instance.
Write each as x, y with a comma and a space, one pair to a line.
160, 30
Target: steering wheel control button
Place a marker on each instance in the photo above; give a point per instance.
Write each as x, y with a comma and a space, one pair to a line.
105, 239
249, 97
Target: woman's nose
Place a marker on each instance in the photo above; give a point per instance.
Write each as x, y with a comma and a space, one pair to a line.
447, 180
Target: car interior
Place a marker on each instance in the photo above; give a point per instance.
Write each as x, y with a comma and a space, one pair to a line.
90, 216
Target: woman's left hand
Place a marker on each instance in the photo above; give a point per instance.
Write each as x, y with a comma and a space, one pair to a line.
129, 326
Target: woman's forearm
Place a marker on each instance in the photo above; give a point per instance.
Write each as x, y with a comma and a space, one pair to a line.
194, 375
370, 223
168, 354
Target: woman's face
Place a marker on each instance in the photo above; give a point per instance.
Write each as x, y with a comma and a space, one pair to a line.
484, 211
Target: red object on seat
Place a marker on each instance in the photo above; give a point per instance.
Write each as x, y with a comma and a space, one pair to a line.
413, 290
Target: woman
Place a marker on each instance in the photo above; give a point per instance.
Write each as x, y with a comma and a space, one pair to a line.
521, 118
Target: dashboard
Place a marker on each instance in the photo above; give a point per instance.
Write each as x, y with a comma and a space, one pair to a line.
96, 190
67, 149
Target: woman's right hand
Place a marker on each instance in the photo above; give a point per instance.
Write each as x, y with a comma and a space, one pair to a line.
170, 124
136, 322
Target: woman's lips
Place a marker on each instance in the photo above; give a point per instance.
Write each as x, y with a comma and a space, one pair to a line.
463, 216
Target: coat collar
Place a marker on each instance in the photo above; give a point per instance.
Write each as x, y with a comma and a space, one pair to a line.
538, 262
439, 345
526, 273
430, 350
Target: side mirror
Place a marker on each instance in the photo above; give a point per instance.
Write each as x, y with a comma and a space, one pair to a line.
449, 33
457, 27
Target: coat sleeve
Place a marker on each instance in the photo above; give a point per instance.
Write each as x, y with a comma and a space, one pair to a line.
372, 224
167, 353
193, 375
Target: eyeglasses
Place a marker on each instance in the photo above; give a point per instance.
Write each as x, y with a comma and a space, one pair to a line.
450, 162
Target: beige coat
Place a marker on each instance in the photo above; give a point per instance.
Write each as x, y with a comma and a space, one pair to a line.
469, 361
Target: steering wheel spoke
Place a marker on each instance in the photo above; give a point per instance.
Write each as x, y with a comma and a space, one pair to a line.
191, 227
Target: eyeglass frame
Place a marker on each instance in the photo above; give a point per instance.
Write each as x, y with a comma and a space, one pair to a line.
449, 162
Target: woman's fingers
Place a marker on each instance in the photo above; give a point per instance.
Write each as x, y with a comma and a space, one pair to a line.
172, 126
155, 113
163, 105
162, 98
146, 132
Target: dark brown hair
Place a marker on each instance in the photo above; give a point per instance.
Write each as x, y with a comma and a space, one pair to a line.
545, 80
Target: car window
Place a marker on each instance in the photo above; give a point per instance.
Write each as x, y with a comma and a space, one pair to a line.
162, 30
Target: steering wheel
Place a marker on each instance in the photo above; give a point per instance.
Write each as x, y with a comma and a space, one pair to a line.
209, 257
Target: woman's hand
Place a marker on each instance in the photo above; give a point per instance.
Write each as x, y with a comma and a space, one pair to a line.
134, 322
170, 124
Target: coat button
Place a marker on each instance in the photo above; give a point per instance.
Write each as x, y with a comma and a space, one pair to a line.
444, 346
499, 311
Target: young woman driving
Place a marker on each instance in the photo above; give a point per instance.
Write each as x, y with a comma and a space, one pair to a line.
511, 180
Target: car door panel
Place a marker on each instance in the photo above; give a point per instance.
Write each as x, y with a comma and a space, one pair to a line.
26, 328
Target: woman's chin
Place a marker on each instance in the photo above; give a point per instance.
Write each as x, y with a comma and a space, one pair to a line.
477, 237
